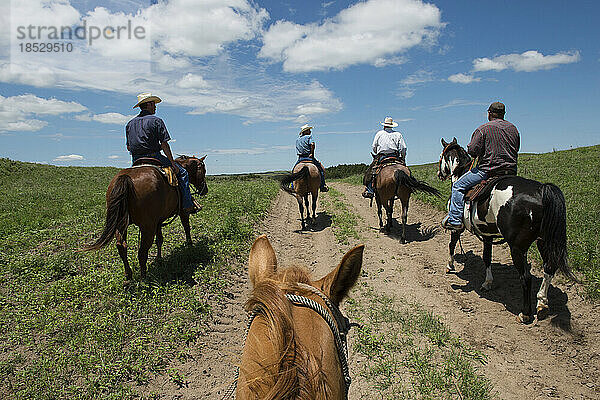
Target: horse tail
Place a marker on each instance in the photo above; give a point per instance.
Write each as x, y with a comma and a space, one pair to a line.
285, 182
402, 178
117, 212
553, 229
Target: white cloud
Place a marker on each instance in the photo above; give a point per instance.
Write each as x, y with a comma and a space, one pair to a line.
458, 103
419, 77
387, 61
365, 32
192, 81
463, 78
16, 111
528, 61
406, 93
70, 157
106, 118
113, 157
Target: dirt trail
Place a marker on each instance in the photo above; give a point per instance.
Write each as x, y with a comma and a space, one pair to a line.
555, 358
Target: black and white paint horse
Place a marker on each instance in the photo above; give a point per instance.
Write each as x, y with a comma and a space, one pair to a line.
518, 211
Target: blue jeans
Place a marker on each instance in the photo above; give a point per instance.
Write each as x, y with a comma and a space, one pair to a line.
317, 164
459, 188
182, 177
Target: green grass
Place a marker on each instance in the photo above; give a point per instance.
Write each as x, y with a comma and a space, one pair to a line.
576, 172
68, 329
411, 354
344, 222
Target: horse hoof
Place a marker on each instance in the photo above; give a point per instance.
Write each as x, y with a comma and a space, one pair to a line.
450, 269
486, 287
524, 319
542, 312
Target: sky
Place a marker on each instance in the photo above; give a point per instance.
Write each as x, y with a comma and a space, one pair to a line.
239, 77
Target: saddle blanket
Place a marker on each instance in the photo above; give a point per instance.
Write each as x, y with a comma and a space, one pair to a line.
483, 189
167, 172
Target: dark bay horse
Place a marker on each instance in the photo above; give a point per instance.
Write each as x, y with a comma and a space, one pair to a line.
307, 180
142, 196
295, 346
396, 181
519, 211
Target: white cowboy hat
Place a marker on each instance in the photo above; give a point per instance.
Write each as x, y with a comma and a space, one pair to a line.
305, 128
145, 98
389, 122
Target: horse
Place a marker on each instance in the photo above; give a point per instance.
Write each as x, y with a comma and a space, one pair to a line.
296, 340
307, 180
396, 180
143, 197
518, 211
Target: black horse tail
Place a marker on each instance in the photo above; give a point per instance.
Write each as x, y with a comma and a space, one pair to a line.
553, 229
285, 182
402, 178
117, 212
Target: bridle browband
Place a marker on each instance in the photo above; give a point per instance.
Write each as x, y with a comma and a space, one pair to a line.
337, 322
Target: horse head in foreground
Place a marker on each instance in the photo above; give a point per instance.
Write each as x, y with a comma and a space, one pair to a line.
517, 211
306, 180
395, 180
142, 196
295, 346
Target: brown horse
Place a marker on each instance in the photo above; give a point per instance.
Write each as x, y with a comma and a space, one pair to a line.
395, 180
143, 197
307, 180
291, 352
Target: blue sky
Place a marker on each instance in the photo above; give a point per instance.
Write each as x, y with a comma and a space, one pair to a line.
239, 78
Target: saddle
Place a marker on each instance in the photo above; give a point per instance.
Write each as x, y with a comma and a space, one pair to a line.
484, 188
386, 161
167, 172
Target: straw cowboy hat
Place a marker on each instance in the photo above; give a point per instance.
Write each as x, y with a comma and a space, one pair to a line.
304, 128
145, 98
389, 122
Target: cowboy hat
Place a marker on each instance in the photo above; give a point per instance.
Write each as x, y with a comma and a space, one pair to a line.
305, 128
389, 122
145, 98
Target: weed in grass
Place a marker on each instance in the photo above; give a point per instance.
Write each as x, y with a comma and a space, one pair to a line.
344, 222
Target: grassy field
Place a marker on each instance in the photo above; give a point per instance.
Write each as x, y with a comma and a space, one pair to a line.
409, 353
68, 329
577, 173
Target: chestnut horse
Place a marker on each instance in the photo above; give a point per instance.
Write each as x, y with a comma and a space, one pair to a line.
307, 180
143, 197
396, 180
291, 351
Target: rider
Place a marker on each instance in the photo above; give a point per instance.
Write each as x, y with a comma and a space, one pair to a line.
147, 135
387, 143
305, 148
495, 146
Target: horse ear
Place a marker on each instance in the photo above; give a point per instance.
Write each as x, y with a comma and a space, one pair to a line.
444, 143
338, 282
262, 261
202, 159
454, 141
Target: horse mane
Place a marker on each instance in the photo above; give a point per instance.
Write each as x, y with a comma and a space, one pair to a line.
295, 374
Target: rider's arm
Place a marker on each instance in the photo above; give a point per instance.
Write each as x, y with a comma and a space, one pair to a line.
167, 150
312, 150
475, 147
374, 145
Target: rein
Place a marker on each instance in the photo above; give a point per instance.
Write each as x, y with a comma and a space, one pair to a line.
449, 147
339, 329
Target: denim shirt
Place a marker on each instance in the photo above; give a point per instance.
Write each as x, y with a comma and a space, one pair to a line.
145, 133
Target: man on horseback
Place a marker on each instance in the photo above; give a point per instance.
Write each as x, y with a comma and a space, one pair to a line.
494, 147
305, 148
147, 135
387, 144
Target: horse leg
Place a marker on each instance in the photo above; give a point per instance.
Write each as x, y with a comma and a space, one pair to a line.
389, 211
159, 241
147, 238
185, 221
306, 202
122, 249
379, 212
519, 258
301, 207
454, 236
487, 261
542, 295
404, 219
315, 196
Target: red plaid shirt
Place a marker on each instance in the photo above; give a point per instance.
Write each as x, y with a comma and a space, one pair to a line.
496, 143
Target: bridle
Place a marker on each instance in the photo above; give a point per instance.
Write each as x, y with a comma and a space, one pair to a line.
449, 147
331, 314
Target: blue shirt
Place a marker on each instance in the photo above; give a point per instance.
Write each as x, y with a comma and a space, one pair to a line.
303, 144
145, 133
